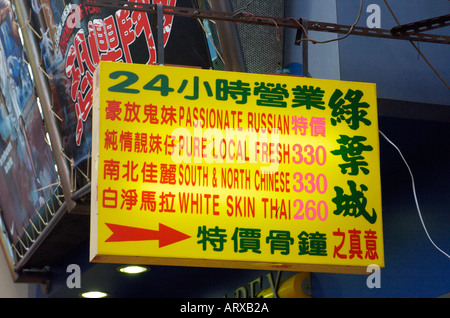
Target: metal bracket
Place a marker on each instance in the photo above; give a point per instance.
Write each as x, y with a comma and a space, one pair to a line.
421, 26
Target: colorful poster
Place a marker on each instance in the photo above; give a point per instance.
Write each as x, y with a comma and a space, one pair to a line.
76, 37
211, 168
27, 169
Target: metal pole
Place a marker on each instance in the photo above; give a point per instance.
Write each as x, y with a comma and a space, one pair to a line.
229, 39
44, 93
305, 57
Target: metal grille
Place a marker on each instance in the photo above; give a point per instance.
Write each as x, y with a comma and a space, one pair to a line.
263, 51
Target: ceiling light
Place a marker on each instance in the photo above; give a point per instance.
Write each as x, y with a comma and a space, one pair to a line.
94, 294
134, 269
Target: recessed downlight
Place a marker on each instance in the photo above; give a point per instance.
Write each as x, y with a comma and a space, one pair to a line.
94, 294
133, 269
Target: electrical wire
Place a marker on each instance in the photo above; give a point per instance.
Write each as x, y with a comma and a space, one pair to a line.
307, 38
250, 17
414, 192
417, 49
243, 8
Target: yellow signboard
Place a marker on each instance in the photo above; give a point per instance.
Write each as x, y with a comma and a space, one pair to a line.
220, 169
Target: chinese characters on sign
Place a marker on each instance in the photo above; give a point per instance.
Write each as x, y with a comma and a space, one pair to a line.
251, 168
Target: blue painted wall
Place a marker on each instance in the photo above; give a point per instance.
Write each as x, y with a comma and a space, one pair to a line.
323, 59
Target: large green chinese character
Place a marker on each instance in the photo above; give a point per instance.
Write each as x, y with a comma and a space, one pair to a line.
280, 241
215, 236
247, 239
351, 149
312, 244
308, 96
353, 112
353, 204
237, 90
270, 94
195, 88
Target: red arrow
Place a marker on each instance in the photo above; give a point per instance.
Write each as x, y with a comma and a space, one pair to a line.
165, 235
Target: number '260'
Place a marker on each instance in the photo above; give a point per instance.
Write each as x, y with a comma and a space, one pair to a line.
311, 210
